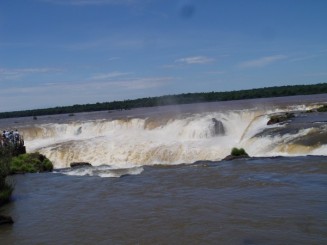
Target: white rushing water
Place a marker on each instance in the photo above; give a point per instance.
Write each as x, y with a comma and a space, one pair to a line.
133, 142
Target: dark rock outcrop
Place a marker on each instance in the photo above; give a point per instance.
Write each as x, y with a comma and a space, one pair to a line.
231, 157
322, 108
79, 164
14, 145
237, 153
218, 127
280, 118
19, 149
5, 220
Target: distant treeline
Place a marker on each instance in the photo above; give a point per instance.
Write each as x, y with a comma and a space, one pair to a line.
187, 98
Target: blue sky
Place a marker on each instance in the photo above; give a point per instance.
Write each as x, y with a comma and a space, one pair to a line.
65, 52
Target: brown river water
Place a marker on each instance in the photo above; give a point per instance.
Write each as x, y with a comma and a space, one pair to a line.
158, 178
261, 201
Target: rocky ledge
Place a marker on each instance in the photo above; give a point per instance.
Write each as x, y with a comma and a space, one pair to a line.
236, 153
5, 220
280, 118
80, 164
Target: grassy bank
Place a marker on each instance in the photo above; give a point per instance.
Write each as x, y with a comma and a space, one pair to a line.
30, 163
24, 163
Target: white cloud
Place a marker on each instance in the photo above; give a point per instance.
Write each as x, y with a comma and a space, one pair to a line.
142, 83
316, 74
4, 71
215, 72
68, 93
100, 86
12, 74
122, 42
261, 62
308, 57
195, 60
109, 75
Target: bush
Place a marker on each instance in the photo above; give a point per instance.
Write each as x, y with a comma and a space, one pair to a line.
5, 188
24, 163
5, 193
238, 152
5, 156
30, 163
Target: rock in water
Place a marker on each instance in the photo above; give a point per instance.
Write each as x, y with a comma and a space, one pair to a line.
218, 127
79, 164
5, 220
231, 157
236, 153
280, 118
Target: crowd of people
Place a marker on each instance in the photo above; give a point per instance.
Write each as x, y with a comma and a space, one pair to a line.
11, 137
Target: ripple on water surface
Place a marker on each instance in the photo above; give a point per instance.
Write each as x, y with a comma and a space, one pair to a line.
261, 201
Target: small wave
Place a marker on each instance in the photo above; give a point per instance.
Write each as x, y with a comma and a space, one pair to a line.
103, 171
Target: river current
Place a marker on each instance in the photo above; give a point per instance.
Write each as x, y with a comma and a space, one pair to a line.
158, 178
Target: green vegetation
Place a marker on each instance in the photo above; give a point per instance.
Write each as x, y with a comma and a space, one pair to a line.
24, 163
187, 98
322, 109
30, 163
236, 152
13, 162
5, 193
5, 188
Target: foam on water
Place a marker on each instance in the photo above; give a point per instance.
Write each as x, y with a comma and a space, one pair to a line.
277, 145
103, 171
130, 142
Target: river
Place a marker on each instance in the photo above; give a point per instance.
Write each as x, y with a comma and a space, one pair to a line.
158, 178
